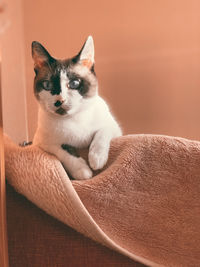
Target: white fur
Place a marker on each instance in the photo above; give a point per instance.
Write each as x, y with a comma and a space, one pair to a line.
93, 126
63, 83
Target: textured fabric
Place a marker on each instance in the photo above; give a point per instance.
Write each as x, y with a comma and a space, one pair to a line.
144, 204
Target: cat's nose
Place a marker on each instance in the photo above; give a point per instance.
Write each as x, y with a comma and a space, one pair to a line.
58, 103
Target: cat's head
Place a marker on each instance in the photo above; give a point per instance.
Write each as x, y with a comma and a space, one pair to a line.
64, 87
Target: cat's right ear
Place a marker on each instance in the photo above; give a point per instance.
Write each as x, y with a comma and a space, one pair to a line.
40, 55
86, 55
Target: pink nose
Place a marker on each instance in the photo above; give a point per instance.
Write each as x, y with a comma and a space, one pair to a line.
60, 98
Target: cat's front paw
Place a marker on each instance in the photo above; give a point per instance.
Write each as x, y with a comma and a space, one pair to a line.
82, 174
78, 168
81, 171
97, 159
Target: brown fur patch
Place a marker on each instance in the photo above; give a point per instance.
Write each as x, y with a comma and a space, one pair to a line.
89, 78
71, 150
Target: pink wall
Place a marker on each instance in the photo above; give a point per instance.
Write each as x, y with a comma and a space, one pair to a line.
13, 72
147, 57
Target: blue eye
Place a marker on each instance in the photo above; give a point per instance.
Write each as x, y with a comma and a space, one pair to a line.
74, 84
47, 85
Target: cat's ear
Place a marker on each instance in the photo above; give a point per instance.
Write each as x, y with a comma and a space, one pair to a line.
40, 55
86, 55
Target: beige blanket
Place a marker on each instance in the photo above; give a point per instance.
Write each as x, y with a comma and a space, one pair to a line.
144, 204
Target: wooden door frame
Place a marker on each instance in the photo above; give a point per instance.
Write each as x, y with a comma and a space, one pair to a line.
3, 223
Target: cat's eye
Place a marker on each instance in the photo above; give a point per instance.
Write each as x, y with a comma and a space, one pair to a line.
74, 84
47, 85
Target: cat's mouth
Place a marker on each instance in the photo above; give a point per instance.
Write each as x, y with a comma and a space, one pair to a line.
61, 111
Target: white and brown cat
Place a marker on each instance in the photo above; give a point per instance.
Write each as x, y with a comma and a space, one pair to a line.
71, 113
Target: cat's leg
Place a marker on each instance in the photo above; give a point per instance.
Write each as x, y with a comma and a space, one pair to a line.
74, 164
99, 148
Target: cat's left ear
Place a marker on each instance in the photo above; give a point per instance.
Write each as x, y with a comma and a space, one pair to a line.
86, 55
40, 55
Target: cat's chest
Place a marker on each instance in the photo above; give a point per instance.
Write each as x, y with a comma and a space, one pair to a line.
77, 133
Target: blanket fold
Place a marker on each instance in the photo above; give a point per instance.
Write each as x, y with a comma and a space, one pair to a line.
144, 204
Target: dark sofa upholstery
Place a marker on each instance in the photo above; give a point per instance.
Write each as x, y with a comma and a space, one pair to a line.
35, 239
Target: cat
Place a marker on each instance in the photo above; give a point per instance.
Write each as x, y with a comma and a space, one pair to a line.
71, 113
